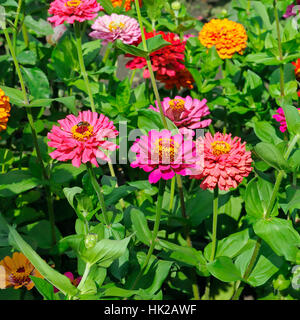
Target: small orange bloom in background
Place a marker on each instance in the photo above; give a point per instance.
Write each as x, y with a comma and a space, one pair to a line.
297, 69
183, 78
127, 3
15, 272
4, 110
228, 36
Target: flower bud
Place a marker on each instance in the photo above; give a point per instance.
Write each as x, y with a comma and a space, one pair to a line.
176, 5
90, 240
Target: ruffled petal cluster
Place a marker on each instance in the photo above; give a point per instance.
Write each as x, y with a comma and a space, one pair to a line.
226, 161
227, 36
162, 155
182, 79
113, 27
83, 138
297, 69
185, 112
4, 110
73, 10
166, 61
127, 3
280, 117
16, 271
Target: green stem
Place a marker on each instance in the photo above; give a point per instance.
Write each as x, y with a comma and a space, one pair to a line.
149, 65
248, 271
34, 135
84, 277
98, 191
172, 193
81, 63
279, 48
15, 31
187, 234
215, 223
278, 181
162, 184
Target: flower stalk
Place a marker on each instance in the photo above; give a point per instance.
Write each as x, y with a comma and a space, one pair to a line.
34, 135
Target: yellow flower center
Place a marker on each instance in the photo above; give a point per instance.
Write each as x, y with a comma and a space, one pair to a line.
113, 26
220, 147
177, 104
166, 149
73, 3
82, 131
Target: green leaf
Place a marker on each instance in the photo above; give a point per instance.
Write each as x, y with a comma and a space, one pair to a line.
280, 235
155, 43
15, 182
58, 280
230, 246
44, 288
258, 196
271, 155
107, 5
37, 82
266, 132
65, 172
105, 252
267, 264
15, 96
40, 27
140, 226
69, 102
224, 269
131, 49
292, 117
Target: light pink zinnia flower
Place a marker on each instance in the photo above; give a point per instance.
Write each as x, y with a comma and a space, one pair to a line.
73, 10
113, 27
226, 161
280, 117
164, 154
79, 138
185, 112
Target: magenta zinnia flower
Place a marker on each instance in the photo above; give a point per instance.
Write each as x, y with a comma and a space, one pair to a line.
73, 10
226, 161
290, 11
75, 282
164, 154
113, 27
81, 138
280, 117
185, 112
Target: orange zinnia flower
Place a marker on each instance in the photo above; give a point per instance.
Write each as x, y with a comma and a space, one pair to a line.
4, 110
228, 36
127, 3
15, 272
183, 78
297, 69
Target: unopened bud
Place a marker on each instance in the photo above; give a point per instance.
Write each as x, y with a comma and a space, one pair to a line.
176, 5
90, 240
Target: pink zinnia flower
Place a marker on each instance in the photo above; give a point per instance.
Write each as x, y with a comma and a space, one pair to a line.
73, 10
185, 112
226, 161
113, 27
280, 117
290, 11
81, 138
75, 282
164, 154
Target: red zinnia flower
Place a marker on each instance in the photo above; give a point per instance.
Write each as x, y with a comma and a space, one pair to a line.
166, 61
297, 69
